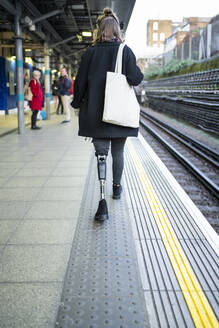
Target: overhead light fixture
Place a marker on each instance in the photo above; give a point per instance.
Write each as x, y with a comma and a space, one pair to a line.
77, 7
27, 49
28, 21
28, 60
79, 38
32, 27
86, 34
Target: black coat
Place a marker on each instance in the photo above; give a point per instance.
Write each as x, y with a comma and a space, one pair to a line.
89, 89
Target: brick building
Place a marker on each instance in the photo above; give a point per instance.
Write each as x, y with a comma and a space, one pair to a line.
158, 31
183, 30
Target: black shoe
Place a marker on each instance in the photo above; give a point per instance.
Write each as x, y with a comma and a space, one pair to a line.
35, 128
65, 121
117, 190
102, 211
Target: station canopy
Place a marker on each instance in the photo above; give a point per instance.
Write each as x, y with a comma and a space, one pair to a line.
66, 25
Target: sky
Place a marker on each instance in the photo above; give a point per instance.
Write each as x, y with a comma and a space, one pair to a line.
163, 9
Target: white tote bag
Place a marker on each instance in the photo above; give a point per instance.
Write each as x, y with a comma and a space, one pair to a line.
120, 106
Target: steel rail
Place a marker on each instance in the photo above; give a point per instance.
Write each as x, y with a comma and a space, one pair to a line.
208, 183
199, 148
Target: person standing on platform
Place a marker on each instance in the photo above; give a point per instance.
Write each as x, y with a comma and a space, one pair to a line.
59, 99
64, 91
89, 91
55, 87
37, 100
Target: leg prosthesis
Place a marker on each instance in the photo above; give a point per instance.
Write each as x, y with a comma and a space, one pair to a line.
101, 167
102, 211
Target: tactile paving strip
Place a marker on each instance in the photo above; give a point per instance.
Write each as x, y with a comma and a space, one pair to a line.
102, 286
165, 301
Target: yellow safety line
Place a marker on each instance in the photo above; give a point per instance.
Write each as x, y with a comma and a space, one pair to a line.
199, 307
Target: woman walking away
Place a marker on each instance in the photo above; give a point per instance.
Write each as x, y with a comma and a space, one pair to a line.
37, 100
89, 98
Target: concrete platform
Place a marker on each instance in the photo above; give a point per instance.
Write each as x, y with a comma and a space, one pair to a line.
154, 263
8, 123
42, 177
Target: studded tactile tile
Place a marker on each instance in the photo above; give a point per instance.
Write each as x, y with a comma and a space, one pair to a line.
103, 243
102, 286
98, 312
102, 276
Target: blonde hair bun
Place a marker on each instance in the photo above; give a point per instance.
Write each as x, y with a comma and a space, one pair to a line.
108, 27
107, 12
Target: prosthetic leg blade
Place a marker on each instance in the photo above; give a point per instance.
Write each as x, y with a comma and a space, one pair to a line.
102, 211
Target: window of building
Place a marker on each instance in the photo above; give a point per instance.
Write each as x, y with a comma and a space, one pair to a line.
155, 26
162, 36
155, 36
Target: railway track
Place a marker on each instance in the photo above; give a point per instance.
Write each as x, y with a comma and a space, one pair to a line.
190, 97
198, 174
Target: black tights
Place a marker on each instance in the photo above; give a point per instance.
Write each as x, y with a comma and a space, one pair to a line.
34, 118
117, 150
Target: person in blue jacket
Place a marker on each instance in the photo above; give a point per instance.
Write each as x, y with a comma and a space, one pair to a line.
89, 90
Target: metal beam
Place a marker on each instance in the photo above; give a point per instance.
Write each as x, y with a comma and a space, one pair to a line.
88, 9
33, 46
63, 41
8, 6
9, 27
73, 20
47, 80
78, 50
69, 55
19, 69
35, 12
50, 14
82, 43
86, 17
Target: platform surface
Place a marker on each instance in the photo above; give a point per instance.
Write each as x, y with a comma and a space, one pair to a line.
177, 248
154, 263
42, 177
102, 285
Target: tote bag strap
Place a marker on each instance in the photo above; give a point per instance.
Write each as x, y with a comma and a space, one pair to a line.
118, 67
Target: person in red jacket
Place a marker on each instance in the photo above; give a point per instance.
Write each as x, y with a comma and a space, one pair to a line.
37, 100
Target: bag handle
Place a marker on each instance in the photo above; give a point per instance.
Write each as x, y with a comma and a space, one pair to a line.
118, 67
